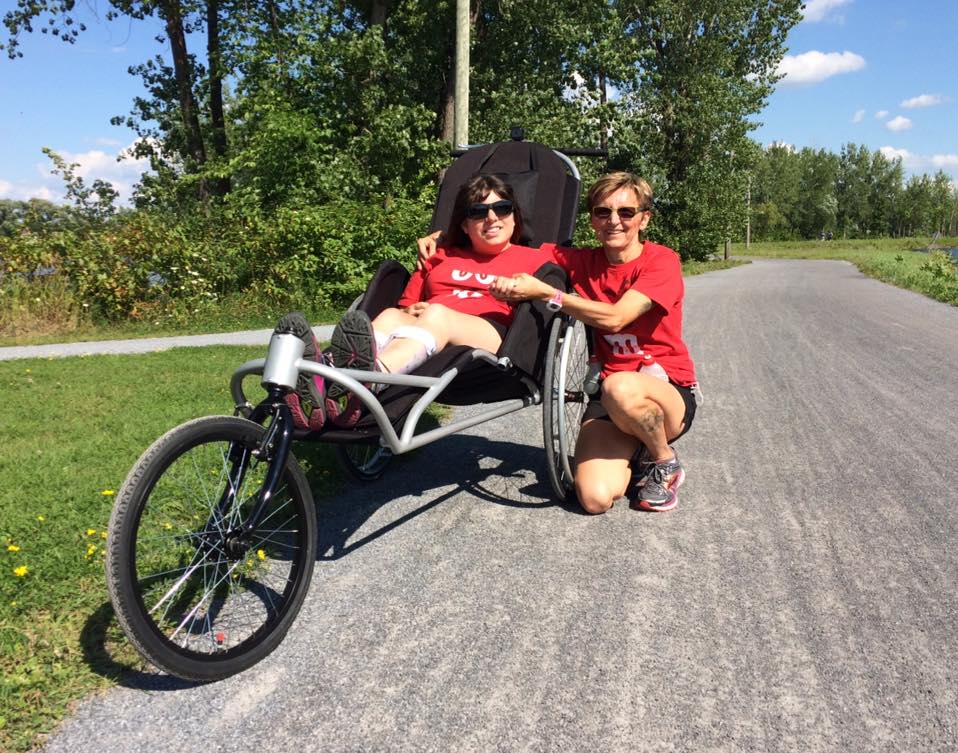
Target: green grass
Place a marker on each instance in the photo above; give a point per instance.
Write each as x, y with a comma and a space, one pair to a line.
902, 262
690, 268
41, 322
72, 429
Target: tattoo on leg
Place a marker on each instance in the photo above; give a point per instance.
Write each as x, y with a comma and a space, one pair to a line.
651, 419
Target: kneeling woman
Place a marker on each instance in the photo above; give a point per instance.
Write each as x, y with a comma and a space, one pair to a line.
630, 292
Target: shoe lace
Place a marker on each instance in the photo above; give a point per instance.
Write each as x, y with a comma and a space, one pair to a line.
657, 474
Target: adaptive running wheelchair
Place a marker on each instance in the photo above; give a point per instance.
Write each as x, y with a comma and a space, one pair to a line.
213, 534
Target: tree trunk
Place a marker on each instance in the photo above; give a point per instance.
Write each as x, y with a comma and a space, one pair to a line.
217, 117
378, 12
172, 15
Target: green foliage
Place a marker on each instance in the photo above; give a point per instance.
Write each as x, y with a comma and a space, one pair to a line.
855, 194
329, 252
337, 113
940, 265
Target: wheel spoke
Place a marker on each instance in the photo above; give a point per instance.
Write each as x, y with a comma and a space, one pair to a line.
196, 595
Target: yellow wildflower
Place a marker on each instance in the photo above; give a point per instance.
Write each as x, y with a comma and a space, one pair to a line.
261, 554
107, 493
40, 518
91, 531
21, 571
90, 550
13, 548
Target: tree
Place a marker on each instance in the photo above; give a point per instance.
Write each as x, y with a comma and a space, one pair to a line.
701, 71
180, 131
816, 208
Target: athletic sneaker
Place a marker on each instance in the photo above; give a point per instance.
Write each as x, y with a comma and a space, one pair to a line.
351, 346
308, 402
641, 466
659, 491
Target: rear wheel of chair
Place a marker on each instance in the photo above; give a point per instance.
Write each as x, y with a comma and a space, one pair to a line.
364, 462
195, 600
564, 401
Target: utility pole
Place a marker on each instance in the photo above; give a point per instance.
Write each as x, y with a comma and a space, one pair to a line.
461, 131
748, 214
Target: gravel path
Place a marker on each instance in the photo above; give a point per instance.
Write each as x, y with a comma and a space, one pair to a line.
802, 597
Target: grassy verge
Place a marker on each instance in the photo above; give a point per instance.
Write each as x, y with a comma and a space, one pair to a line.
72, 429
44, 315
902, 262
47, 315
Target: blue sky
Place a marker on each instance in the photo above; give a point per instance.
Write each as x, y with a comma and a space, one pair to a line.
872, 72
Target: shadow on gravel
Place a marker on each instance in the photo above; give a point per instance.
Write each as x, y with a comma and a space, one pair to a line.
453, 462
478, 466
100, 631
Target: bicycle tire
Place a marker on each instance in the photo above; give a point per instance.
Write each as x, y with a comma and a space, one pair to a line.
364, 462
190, 606
563, 401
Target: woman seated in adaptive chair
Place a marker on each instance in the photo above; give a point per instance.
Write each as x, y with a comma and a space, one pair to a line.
446, 302
630, 292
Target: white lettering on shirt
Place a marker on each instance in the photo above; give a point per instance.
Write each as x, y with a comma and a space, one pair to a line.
461, 275
624, 344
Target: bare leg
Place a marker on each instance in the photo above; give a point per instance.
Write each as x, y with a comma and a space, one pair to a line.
645, 407
602, 471
448, 327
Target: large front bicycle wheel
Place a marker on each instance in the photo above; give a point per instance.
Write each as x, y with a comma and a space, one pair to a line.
563, 404
195, 601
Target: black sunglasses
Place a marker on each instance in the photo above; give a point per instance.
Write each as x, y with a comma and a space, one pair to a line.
625, 213
481, 211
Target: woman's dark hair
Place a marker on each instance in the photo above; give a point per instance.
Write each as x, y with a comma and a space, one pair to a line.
474, 191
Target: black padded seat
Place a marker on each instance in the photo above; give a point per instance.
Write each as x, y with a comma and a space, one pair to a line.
546, 191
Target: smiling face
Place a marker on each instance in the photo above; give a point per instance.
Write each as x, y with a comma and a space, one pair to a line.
490, 234
620, 236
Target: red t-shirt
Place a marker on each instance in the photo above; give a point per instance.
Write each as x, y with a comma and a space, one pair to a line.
656, 274
460, 278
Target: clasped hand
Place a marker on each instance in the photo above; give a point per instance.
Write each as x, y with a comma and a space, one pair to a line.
519, 287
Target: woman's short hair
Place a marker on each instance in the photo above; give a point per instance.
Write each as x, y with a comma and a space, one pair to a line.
609, 184
474, 191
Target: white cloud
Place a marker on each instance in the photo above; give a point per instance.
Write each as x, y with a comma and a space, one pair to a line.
923, 100
816, 10
123, 174
814, 66
24, 192
919, 163
900, 123
92, 165
945, 161
790, 148
892, 153
859, 116
881, 114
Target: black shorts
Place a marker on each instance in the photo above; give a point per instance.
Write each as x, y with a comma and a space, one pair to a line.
595, 409
498, 326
